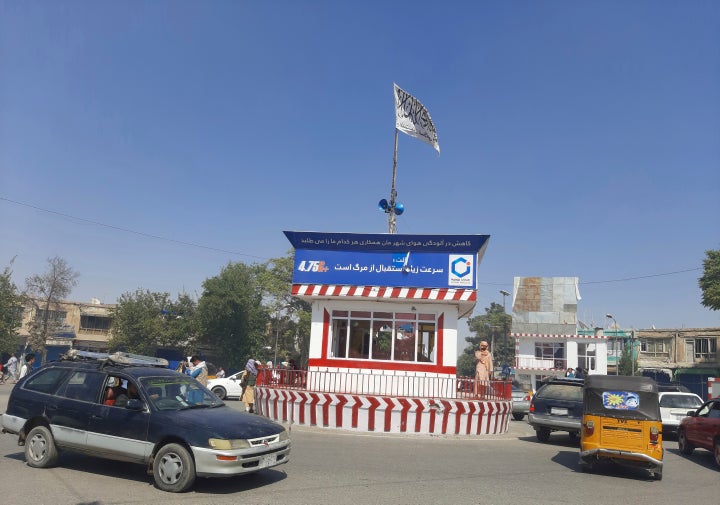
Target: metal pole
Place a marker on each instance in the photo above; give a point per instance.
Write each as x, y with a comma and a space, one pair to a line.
393, 193
275, 363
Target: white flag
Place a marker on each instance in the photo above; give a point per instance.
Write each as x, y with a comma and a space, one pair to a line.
412, 117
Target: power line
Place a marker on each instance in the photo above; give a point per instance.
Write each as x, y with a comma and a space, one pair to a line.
127, 230
191, 244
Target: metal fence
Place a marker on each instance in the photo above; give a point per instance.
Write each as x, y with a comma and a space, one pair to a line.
417, 386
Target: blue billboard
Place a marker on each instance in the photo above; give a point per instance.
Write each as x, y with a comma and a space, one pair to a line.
431, 261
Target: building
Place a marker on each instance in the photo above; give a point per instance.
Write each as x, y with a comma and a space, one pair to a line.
545, 328
686, 355
383, 339
78, 325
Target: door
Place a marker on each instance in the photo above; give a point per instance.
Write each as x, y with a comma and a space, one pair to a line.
70, 409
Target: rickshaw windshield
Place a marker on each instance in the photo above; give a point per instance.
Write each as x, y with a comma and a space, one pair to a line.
621, 397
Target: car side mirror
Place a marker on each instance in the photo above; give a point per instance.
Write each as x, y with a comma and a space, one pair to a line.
692, 413
135, 404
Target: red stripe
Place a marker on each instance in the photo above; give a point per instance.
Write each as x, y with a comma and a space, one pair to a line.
458, 416
355, 410
481, 415
446, 415
326, 410
418, 415
471, 412
342, 400
404, 414
490, 416
374, 404
388, 413
303, 401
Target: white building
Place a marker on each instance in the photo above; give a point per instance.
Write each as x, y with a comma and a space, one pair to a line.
545, 328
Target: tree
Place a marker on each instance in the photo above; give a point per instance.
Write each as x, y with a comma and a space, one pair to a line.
231, 314
626, 365
11, 309
492, 327
45, 292
710, 281
289, 316
145, 320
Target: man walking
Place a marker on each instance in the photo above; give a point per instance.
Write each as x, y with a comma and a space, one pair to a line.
11, 368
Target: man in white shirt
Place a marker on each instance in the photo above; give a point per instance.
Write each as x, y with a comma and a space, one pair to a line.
27, 366
11, 368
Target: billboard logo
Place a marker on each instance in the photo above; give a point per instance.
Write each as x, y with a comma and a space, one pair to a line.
460, 270
312, 266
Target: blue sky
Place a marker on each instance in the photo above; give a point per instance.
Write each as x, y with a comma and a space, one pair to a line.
584, 137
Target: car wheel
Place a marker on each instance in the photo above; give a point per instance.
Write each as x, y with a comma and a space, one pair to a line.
220, 392
40, 450
573, 435
542, 434
717, 451
586, 467
683, 444
173, 468
518, 417
657, 474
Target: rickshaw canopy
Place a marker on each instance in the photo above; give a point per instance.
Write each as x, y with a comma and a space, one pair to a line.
622, 397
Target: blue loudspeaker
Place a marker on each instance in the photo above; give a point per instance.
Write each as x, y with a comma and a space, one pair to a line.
399, 208
383, 205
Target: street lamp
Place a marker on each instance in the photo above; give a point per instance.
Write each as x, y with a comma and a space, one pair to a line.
617, 360
505, 333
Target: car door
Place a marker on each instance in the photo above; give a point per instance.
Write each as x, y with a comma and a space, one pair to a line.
120, 432
70, 409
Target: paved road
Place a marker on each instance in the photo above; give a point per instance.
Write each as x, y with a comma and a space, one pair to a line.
338, 467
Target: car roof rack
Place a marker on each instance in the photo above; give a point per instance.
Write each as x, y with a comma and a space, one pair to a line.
118, 358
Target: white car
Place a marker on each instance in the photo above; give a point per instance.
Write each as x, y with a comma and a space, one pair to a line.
674, 406
227, 387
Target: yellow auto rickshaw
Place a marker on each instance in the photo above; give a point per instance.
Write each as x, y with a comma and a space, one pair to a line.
621, 423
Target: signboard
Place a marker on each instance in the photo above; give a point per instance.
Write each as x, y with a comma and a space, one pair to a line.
432, 261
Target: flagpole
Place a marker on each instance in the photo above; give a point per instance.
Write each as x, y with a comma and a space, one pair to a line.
393, 193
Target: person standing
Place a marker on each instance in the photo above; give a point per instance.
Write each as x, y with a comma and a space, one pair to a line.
483, 368
248, 381
220, 373
11, 368
198, 370
27, 366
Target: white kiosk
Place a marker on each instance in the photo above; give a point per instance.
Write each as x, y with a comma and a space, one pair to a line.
383, 341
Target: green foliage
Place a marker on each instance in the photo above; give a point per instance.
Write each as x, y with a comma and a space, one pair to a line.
45, 292
144, 321
626, 364
231, 314
289, 317
710, 281
11, 309
493, 327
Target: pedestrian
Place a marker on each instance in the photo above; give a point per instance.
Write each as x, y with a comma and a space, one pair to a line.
198, 370
483, 368
220, 373
570, 373
248, 381
11, 368
579, 373
27, 367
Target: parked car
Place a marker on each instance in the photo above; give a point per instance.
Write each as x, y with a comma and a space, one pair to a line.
701, 429
228, 387
133, 408
669, 387
520, 402
557, 406
673, 407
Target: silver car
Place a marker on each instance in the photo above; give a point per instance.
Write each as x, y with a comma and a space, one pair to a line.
520, 402
673, 407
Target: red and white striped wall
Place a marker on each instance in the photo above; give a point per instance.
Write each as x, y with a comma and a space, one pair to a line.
384, 414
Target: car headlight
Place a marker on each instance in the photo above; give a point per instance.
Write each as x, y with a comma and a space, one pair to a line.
284, 435
226, 445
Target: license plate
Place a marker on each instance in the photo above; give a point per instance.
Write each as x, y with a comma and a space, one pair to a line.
266, 461
558, 412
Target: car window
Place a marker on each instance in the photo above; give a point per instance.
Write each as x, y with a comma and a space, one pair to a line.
83, 385
561, 392
47, 381
680, 401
